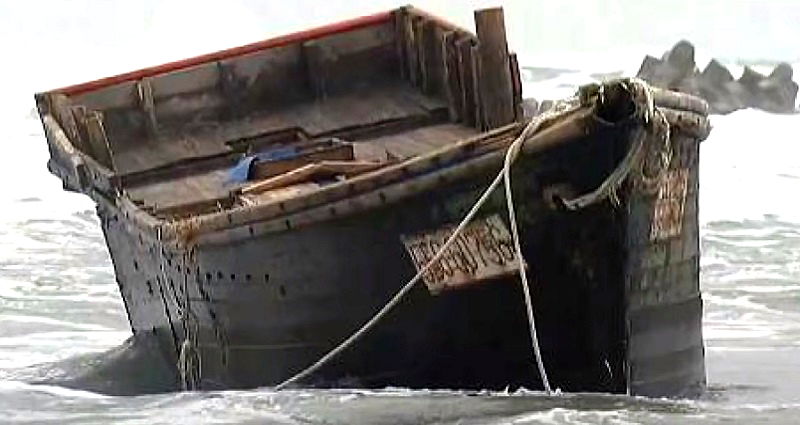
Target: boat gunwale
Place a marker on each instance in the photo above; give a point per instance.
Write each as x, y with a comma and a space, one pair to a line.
185, 229
243, 50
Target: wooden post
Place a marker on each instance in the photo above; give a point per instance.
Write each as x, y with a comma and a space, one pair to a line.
496, 89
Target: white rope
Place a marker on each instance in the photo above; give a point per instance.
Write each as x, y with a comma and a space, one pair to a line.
503, 175
511, 155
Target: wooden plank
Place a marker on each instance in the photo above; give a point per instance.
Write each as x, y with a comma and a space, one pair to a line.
315, 153
96, 134
432, 64
304, 173
475, 71
495, 81
61, 108
465, 74
341, 62
79, 115
144, 91
516, 84
451, 77
412, 55
399, 18
419, 46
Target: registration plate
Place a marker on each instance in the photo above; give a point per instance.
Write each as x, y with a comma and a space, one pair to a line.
484, 250
667, 219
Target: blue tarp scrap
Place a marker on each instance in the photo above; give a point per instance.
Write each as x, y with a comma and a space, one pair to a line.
240, 172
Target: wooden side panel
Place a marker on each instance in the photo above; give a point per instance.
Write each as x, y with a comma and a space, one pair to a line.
122, 95
98, 139
351, 60
452, 77
432, 72
466, 73
197, 78
475, 67
664, 306
272, 77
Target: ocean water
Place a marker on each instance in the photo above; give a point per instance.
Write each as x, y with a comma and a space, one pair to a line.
63, 326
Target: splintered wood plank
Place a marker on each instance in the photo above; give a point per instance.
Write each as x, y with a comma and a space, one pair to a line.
496, 89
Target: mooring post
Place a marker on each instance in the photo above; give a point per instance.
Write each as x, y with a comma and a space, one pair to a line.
496, 89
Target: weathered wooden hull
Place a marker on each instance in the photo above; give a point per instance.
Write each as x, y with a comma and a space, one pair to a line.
247, 283
605, 296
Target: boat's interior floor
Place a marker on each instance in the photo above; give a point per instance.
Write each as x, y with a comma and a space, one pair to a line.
390, 122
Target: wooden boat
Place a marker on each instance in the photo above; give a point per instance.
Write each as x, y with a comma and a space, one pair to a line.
263, 202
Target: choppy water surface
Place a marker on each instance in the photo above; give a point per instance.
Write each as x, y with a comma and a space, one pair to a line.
60, 312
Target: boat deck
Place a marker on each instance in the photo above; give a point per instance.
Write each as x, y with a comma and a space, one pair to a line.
393, 122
